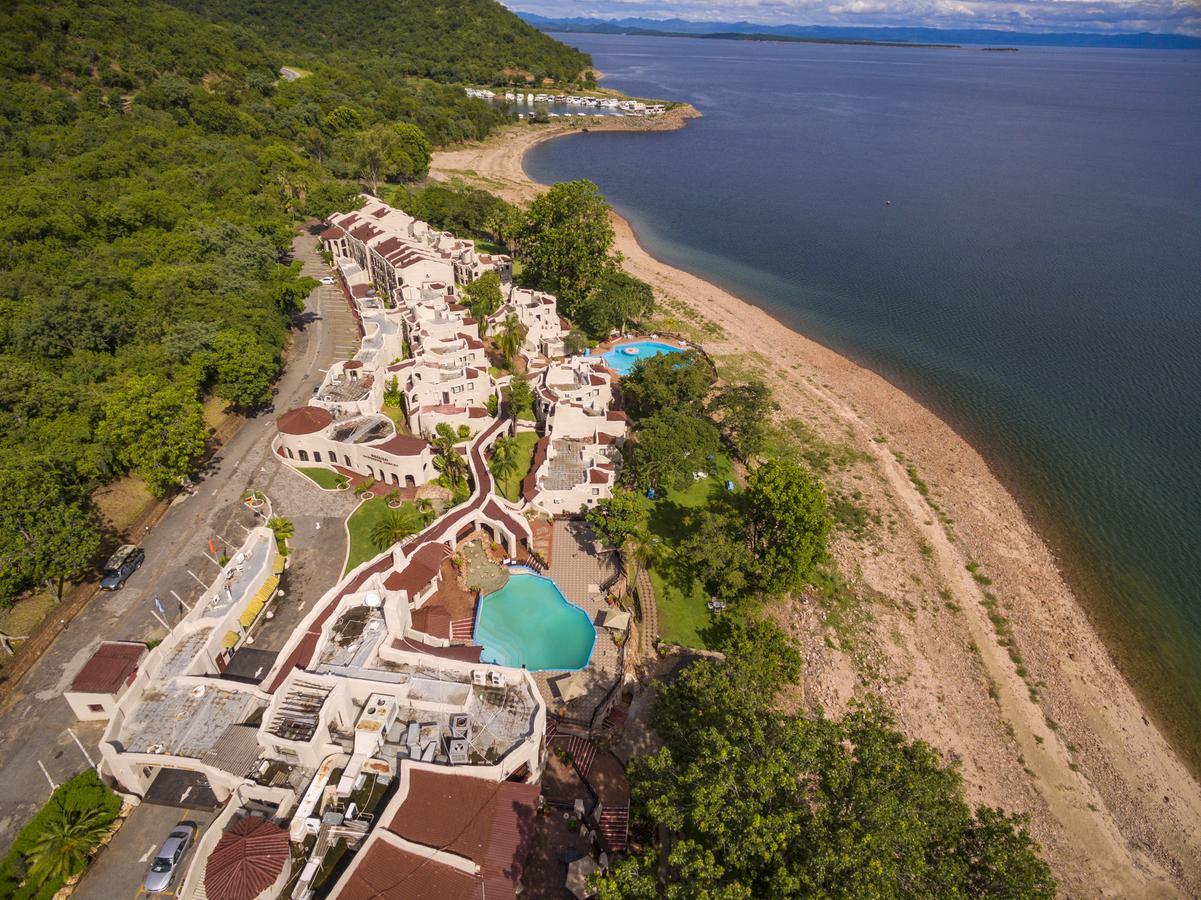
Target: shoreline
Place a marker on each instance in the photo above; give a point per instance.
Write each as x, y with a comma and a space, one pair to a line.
1112, 803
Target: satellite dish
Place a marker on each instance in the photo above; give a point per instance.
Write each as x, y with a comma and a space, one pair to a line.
373, 601
198, 691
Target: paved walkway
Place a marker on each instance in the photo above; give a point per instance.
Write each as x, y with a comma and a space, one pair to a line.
648, 626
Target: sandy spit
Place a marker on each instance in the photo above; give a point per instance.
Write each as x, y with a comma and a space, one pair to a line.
1116, 811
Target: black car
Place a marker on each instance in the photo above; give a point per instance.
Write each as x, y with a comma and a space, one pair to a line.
120, 566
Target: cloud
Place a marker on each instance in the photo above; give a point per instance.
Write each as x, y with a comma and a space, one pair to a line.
1165, 16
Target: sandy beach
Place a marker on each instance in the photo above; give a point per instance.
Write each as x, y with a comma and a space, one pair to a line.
1047, 727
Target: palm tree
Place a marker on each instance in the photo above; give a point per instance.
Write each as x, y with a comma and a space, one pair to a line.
511, 337
425, 506
282, 529
394, 526
66, 840
505, 453
447, 458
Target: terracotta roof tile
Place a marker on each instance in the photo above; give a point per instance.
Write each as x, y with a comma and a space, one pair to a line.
111, 666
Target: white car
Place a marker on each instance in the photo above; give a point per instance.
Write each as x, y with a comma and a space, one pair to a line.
167, 861
327, 279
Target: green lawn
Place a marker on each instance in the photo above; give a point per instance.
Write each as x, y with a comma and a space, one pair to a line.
360, 524
526, 442
683, 615
396, 414
323, 477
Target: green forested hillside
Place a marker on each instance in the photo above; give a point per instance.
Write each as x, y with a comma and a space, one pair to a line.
456, 40
153, 170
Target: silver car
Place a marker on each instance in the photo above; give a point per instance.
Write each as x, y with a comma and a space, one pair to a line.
167, 861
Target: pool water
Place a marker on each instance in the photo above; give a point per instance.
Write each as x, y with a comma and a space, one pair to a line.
530, 623
621, 358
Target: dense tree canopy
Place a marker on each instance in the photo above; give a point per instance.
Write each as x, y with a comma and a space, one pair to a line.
618, 301
566, 242
765, 804
156, 170
473, 40
667, 381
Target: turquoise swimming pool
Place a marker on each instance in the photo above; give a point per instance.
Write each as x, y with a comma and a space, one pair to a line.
529, 623
621, 358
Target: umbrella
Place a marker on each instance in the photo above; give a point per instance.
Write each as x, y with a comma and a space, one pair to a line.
247, 860
618, 620
577, 877
570, 687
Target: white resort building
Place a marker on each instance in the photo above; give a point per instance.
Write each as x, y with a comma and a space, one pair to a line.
376, 727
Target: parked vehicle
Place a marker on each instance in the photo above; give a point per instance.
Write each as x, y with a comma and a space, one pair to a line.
327, 279
120, 566
167, 861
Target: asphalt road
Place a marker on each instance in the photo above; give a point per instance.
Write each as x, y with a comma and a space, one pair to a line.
121, 867
42, 741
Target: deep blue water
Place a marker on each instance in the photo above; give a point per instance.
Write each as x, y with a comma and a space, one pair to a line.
1036, 279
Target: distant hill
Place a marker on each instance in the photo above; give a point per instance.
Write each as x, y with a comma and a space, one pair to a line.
478, 41
928, 36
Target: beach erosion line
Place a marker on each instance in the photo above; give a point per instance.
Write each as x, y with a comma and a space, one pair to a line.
1109, 798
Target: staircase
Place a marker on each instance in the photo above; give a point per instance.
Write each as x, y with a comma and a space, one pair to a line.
462, 629
614, 827
582, 751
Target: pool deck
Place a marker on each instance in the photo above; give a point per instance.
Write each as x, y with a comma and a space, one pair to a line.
579, 573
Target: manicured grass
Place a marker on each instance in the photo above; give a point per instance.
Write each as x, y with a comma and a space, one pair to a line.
396, 414
360, 523
526, 442
683, 615
323, 477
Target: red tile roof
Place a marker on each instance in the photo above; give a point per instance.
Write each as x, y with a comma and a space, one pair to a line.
247, 860
305, 420
432, 620
402, 445
332, 233
419, 571
112, 665
385, 872
461, 653
488, 822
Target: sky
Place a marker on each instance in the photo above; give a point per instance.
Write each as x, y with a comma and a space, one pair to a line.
1163, 16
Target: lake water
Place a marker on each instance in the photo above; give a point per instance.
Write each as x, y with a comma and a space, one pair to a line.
1036, 279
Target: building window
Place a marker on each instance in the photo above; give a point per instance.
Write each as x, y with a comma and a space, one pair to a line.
95, 707
304, 456
596, 492
288, 450
316, 456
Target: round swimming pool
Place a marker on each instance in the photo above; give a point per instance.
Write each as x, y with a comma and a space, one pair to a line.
621, 358
529, 623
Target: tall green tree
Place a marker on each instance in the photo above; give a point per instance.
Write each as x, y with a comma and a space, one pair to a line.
678, 381
761, 803
671, 447
744, 411
506, 457
155, 428
483, 297
567, 241
510, 337
49, 530
521, 397
447, 459
399, 152
243, 369
618, 301
787, 524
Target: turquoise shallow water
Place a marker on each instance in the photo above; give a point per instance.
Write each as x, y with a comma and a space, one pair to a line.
530, 624
621, 359
1035, 278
